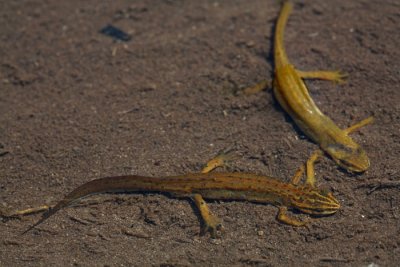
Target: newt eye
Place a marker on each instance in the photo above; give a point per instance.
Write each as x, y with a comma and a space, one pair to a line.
345, 164
339, 150
346, 157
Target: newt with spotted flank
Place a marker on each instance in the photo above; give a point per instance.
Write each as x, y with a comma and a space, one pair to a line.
217, 186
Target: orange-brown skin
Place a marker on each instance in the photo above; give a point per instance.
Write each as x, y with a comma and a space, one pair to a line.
292, 94
218, 186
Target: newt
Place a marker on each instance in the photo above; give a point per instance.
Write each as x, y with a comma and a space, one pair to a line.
292, 94
216, 186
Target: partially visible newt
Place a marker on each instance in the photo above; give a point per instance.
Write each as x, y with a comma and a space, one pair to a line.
293, 96
219, 186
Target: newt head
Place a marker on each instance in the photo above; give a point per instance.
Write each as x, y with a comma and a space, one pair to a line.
351, 159
316, 202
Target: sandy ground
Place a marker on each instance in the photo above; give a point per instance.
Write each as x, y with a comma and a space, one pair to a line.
77, 105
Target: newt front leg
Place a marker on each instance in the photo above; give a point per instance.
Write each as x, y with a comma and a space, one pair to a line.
307, 168
284, 218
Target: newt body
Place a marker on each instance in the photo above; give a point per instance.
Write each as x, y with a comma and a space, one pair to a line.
293, 96
218, 186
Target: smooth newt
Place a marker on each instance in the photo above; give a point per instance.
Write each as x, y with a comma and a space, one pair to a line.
218, 186
293, 96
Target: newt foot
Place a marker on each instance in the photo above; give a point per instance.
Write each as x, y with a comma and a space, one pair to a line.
339, 77
213, 226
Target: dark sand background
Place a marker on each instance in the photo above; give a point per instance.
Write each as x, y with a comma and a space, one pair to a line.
76, 105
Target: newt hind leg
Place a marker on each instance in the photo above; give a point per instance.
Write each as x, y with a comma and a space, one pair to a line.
25, 212
258, 87
222, 159
211, 223
334, 76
